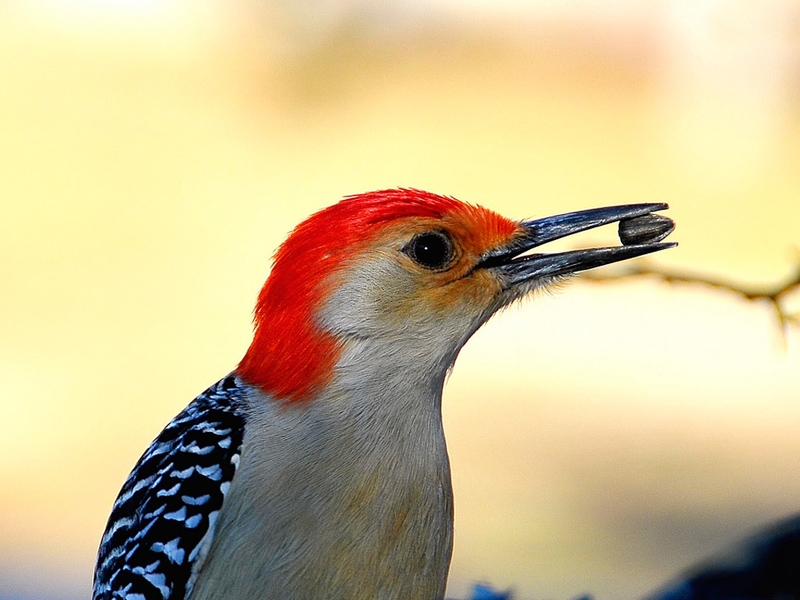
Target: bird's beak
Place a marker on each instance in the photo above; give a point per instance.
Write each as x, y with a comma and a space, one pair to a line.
517, 269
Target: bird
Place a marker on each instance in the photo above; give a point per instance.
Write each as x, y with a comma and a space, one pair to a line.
318, 468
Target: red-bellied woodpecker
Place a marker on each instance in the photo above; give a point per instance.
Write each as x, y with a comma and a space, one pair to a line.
318, 468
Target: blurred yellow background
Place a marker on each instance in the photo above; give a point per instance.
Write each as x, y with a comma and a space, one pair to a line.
154, 153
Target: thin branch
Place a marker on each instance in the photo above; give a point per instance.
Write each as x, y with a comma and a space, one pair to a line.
775, 294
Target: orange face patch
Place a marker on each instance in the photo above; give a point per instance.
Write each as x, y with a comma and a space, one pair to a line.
479, 229
473, 230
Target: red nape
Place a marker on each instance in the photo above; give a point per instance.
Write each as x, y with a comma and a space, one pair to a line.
290, 357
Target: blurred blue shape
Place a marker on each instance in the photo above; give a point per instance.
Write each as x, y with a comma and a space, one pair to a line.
765, 566
482, 591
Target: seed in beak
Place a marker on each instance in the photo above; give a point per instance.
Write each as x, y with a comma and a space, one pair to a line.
647, 229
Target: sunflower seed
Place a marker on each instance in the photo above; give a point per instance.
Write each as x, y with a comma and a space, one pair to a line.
647, 229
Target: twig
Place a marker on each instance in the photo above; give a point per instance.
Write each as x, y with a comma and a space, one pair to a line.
775, 294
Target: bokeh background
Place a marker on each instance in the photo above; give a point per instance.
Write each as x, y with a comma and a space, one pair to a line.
154, 153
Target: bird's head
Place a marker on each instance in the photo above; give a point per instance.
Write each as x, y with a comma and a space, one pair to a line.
408, 274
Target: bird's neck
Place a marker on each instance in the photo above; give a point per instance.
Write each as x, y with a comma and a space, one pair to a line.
389, 408
380, 399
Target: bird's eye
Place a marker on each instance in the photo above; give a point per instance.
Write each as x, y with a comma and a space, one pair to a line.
432, 249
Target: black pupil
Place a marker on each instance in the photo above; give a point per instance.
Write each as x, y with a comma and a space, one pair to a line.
431, 250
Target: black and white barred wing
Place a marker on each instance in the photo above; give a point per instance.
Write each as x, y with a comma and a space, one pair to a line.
163, 520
